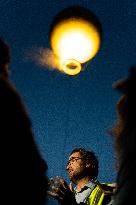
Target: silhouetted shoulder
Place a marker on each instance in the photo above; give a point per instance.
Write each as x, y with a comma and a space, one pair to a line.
22, 167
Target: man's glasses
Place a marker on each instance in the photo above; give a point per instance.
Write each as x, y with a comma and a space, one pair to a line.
73, 159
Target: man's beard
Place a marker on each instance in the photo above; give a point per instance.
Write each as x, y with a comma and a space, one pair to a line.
75, 176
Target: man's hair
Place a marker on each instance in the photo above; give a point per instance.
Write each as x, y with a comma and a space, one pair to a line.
4, 52
90, 157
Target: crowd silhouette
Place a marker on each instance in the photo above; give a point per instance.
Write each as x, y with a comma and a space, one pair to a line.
23, 177
124, 133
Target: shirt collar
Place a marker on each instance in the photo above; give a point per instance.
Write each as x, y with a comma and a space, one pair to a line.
90, 185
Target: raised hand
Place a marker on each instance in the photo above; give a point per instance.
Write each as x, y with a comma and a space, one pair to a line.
61, 191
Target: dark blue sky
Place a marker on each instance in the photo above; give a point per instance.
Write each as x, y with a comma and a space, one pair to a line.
70, 111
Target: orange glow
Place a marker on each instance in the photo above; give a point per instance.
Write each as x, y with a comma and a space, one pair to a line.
75, 39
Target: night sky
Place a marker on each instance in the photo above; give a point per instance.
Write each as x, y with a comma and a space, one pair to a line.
70, 111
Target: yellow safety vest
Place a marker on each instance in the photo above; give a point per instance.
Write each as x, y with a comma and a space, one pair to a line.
97, 195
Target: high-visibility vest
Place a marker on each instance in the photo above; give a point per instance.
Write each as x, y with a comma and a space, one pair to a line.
97, 195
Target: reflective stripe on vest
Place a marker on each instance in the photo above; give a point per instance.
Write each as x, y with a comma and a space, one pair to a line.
96, 197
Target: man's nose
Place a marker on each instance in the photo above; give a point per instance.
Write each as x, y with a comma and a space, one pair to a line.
67, 166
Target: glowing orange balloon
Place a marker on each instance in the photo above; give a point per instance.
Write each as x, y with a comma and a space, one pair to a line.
75, 39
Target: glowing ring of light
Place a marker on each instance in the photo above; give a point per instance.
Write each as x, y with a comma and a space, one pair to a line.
71, 67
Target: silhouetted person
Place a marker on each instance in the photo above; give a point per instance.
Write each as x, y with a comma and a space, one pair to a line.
125, 140
22, 171
82, 168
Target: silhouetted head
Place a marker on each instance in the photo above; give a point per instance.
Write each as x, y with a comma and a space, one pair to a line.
4, 58
125, 129
23, 170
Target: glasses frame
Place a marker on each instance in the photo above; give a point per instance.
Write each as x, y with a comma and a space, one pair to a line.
73, 159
